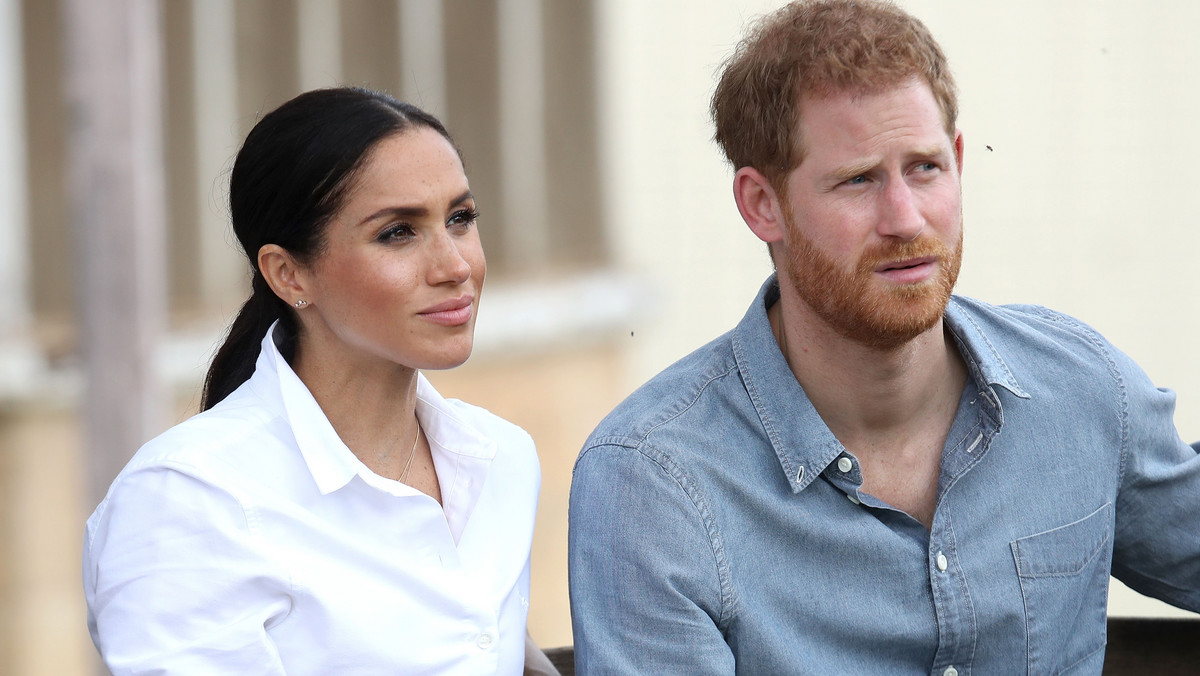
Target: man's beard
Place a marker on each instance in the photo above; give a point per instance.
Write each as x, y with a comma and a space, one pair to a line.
858, 306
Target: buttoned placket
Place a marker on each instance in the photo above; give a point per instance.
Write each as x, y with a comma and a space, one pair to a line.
844, 473
957, 629
481, 623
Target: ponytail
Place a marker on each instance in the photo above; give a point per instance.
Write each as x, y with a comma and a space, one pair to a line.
235, 359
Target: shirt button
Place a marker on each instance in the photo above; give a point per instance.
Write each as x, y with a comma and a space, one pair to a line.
854, 499
845, 464
950, 671
941, 564
484, 641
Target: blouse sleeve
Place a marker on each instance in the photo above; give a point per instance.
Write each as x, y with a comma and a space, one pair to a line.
175, 582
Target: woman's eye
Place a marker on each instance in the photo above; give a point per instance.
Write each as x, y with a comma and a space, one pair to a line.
396, 233
463, 218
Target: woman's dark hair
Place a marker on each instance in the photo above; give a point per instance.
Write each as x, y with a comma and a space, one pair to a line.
290, 177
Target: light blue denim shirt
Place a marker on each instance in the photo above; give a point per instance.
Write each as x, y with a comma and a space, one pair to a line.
718, 527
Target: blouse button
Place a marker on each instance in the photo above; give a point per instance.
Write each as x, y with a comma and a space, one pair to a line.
484, 641
845, 464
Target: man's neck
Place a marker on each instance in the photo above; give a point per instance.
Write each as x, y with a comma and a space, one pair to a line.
859, 389
891, 407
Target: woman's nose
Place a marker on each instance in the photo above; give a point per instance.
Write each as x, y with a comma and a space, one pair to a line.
448, 264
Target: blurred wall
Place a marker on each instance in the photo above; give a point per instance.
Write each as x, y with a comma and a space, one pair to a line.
1083, 203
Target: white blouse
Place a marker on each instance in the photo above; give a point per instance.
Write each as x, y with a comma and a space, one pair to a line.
250, 540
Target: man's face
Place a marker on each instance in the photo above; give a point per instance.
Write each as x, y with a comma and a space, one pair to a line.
873, 214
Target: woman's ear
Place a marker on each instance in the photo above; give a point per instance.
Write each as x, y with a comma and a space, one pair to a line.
759, 205
283, 274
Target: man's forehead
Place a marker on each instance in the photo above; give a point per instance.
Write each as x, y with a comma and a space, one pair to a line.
837, 111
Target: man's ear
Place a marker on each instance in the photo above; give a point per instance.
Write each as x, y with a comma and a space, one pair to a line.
759, 205
283, 274
958, 150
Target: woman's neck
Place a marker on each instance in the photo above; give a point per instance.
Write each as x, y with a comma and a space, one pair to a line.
370, 403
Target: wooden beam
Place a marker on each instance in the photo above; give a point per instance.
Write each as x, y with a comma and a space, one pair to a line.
113, 63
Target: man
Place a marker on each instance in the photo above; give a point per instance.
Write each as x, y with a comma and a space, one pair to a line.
868, 475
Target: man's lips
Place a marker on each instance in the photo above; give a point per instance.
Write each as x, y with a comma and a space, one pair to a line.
908, 271
452, 312
904, 264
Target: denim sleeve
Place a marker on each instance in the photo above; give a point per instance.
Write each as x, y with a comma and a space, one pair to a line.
646, 585
1157, 543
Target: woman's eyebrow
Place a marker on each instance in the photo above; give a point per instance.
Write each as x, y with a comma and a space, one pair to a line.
413, 211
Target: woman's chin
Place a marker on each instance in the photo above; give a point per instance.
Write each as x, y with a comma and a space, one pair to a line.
448, 360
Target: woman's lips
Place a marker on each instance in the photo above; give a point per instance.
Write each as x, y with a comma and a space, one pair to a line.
454, 312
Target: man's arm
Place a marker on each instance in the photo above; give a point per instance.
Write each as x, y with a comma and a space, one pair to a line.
647, 592
1157, 545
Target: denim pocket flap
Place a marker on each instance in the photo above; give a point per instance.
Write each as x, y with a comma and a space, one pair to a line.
1065, 550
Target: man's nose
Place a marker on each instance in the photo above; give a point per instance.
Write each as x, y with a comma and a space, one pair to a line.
899, 214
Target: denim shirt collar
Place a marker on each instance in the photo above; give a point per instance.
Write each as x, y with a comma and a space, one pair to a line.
802, 441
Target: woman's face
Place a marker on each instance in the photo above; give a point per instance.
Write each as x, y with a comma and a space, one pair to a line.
401, 269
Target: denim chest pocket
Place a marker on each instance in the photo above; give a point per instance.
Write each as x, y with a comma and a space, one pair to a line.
1063, 574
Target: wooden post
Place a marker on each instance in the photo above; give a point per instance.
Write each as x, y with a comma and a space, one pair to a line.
422, 54
523, 134
222, 277
116, 191
14, 250
318, 43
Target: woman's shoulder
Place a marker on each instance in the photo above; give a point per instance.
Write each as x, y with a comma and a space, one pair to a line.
511, 441
234, 438
485, 421
476, 421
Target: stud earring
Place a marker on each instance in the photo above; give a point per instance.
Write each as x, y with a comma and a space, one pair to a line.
301, 303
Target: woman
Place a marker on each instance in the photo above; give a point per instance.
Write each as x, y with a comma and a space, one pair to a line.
328, 512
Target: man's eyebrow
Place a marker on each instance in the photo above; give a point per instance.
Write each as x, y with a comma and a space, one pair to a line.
413, 211
859, 168
849, 171
930, 152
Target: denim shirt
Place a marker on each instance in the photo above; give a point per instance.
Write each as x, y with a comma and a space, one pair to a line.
717, 526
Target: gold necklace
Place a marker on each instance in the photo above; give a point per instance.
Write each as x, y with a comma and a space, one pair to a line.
412, 453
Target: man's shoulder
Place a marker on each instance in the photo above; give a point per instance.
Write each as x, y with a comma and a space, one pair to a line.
667, 397
1030, 339
1019, 322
